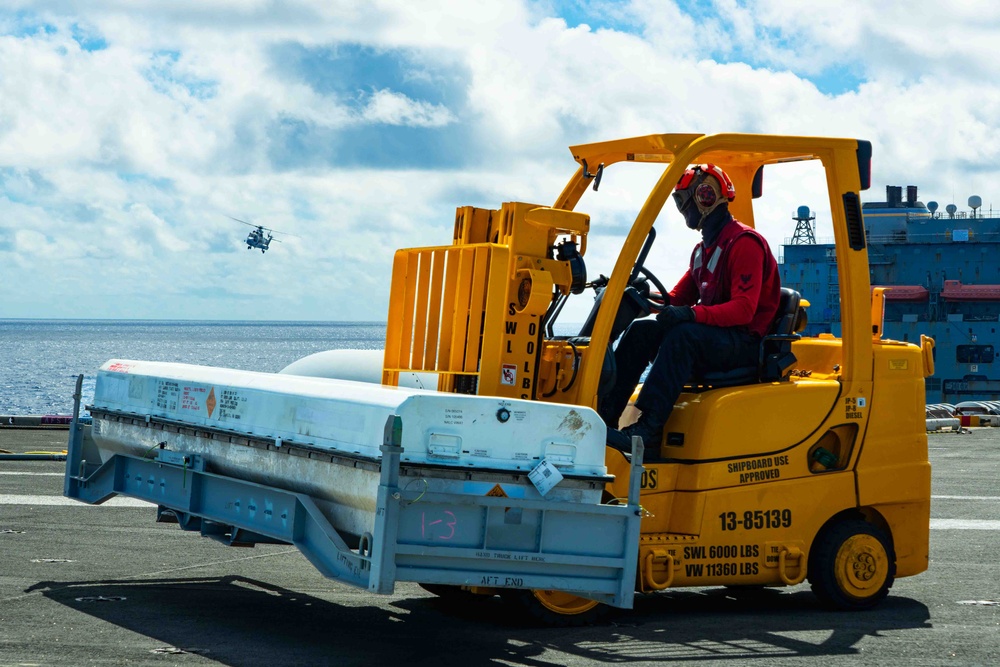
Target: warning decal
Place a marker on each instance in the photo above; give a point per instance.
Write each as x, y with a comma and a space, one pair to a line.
210, 401
508, 374
497, 492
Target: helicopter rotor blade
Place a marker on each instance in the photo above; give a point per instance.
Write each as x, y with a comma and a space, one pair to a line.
262, 228
243, 221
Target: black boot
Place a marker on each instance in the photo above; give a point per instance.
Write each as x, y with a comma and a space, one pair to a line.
647, 428
650, 429
618, 440
655, 408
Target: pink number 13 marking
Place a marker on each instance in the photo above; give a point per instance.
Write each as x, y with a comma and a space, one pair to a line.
450, 523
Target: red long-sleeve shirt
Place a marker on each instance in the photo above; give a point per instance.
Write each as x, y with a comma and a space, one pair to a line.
732, 283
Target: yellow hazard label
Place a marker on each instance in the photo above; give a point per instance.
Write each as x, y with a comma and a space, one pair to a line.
898, 364
210, 402
497, 492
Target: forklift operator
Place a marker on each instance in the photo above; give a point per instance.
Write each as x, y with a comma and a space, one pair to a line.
713, 319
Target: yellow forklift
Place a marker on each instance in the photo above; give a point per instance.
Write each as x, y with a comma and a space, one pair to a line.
811, 465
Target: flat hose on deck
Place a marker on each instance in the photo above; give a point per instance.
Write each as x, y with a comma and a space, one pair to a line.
6, 455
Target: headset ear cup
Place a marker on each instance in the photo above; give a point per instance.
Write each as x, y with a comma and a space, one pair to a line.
705, 195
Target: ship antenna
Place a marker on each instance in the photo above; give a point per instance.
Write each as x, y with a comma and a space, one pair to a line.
805, 231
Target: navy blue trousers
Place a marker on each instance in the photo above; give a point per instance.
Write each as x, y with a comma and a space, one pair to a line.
677, 353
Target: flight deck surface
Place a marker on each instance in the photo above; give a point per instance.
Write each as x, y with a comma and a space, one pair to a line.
106, 585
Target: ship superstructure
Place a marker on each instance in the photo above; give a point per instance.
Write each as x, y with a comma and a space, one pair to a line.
943, 269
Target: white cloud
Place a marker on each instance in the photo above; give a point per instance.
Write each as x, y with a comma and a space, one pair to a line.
119, 165
386, 106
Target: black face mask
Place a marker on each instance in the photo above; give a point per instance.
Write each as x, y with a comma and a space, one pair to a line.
713, 223
692, 216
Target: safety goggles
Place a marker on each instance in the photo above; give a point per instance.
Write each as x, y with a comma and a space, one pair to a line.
683, 192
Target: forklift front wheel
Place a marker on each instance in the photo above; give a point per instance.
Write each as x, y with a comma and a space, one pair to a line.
852, 565
556, 608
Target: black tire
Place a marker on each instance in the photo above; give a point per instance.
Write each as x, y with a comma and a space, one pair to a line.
852, 565
553, 608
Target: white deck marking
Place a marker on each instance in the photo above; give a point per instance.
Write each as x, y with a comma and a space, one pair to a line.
965, 497
37, 474
964, 524
16, 499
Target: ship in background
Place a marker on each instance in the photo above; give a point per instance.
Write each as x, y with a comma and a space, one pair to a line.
944, 271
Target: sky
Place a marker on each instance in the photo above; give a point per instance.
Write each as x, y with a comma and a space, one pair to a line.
132, 131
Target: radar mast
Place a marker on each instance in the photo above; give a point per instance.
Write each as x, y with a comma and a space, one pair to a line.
805, 230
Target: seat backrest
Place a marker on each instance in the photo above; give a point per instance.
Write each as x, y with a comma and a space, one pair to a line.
788, 309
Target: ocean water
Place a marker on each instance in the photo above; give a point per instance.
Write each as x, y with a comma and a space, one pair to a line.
40, 359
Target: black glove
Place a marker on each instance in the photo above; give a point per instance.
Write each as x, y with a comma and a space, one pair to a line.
672, 315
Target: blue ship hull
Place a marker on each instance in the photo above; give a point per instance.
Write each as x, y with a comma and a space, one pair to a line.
945, 268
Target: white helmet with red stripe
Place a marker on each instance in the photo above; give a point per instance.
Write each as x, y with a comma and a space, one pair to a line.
706, 187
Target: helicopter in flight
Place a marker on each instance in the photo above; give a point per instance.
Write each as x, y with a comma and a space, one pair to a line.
260, 236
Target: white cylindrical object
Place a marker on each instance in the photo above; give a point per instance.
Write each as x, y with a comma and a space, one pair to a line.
356, 365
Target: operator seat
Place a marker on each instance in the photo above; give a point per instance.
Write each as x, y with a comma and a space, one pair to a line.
776, 355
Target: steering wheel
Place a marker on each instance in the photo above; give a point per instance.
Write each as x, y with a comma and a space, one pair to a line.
639, 270
655, 305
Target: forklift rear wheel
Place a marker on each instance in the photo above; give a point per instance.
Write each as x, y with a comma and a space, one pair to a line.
852, 565
556, 608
